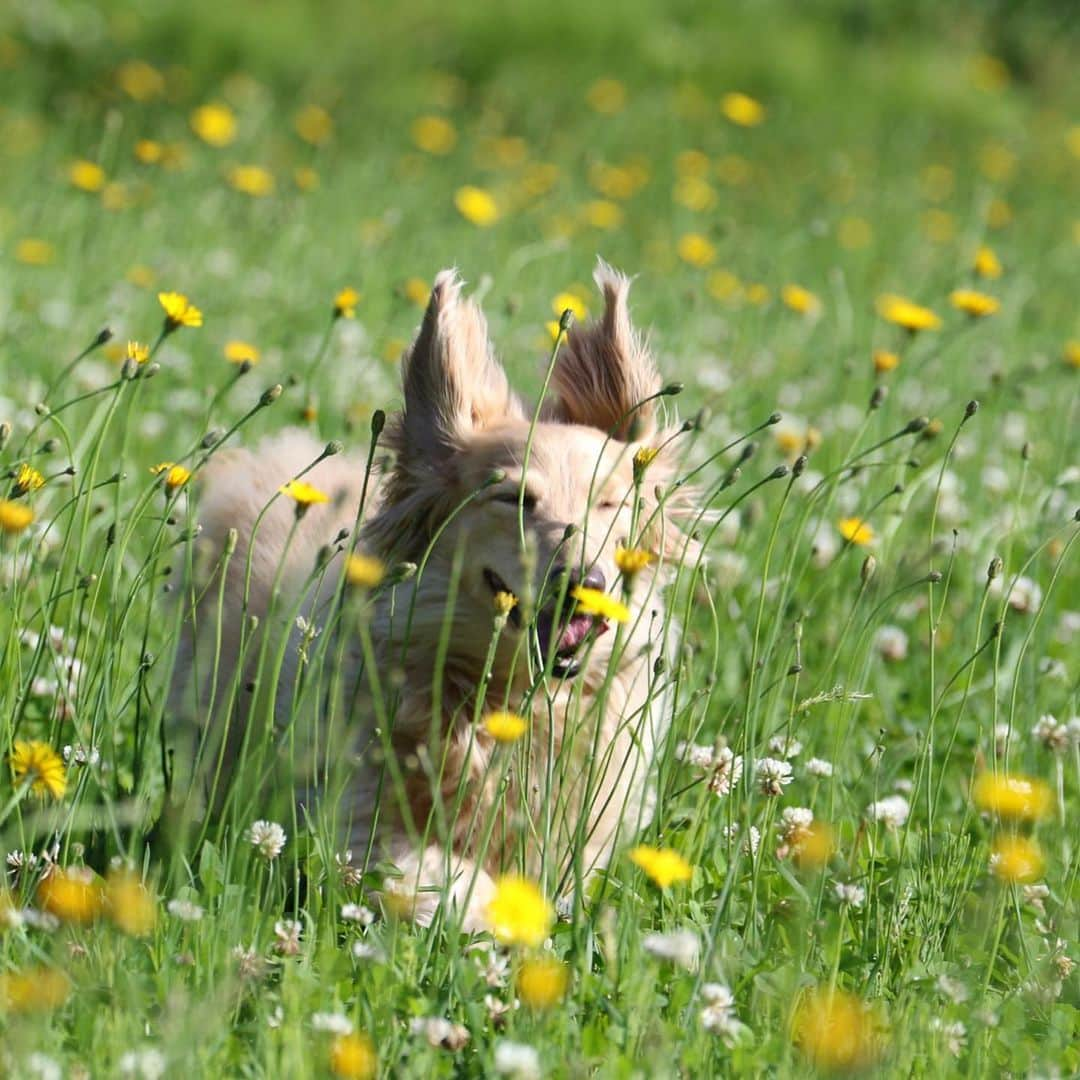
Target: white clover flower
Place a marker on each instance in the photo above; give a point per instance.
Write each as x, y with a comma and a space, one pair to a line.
365, 951
773, 775
751, 845
44, 1067
700, 757
955, 1035
1054, 736
849, 894
891, 643
727, 770
819, 767
952, 988
147, 1064
287, 934
682, 947
517, 1060
718, 1016
357, 913
893, 810
795, 822
494, 966
81, 755
184, 910
1025, 595
268, 837
350, 875
1002, 735
440, 1032
785, 746
333, 1023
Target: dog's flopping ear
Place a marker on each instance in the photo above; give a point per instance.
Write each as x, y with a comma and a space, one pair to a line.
604, 374
453, 385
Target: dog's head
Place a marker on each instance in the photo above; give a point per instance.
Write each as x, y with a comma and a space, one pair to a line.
528, 505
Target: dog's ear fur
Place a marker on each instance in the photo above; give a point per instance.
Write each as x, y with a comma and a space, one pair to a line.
604, 371
453, 385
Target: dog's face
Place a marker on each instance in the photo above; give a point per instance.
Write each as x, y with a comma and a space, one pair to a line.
529, 507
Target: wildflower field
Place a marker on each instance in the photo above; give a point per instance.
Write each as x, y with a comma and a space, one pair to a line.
855, 230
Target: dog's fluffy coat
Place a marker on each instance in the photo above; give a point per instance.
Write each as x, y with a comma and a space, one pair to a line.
582, 775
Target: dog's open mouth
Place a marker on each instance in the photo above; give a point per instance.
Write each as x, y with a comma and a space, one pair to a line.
567, 638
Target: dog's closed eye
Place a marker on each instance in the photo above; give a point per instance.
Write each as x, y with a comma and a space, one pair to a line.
513, 498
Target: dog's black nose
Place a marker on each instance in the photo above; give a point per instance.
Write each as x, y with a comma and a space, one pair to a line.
594, 579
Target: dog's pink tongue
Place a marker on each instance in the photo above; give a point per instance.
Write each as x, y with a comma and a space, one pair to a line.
575, 632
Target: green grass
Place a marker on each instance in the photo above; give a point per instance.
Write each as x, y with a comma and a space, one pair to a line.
884, 162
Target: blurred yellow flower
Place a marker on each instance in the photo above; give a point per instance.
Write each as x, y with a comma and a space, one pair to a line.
352, 1057
1013, 797
86, 175
476, 205
569, 301
505, 727
149, 151
1071, 353
834, 1030
988, 73
854, 233
142, 277
130, 904
35, 761
996, 161
1016, 859
14, 516
1072, 140
603, 214
906, 313
504, 602
303, 493
541, 982
33, 990
723, 284
179, 311
214, 124
692, 163
695, 249
416, 291
313, 124
139, 80
176, 476
345, 303
519, 913
137, 351
938, 225
800, 300
34, 252
999, 214
986, 263
251, 180
976, 304
937, 182
884, 360
856, 531
631, 561
757, 294
27, 479
305, 178
433, 134
694, 193
815, 846
606, 96
734, 170
241, 352
72, 895
664, 866
742, 109
597, 603
364, 571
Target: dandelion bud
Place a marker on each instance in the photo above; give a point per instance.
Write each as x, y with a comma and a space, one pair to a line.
210, 438
129, 369
378, 422
659, 666
774, 418
748, 451
342, 536
271, 395
403, 571
496, 476
150, 370
231, 538
335, 446
103, 335
566, 320
1025, 451
688, 425
110, 535
243, 368
915, 426
704, 415
731, 478
971, 409
1076, 515
795, 669
869, 568
673, 389
878, 397
934, 577
995, 630
799, 466
995, 568
87, 580
41, 409
779, 472
5, 433
568, 532
50, 446
70, 471
253, 623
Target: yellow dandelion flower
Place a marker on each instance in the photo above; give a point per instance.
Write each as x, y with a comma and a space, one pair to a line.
241, 352
800, 300
631, 561
86, 175
986, 263
996, 161
603, 214
835, 1031
176, 476
569, 301
72, 895
1071, 353
504, 602
313, 124
541, 982
116, 196
214, 124
31, 251
305, 178
976, 304
137, 351
906, 313
856, 531
345, 303
539, 178
815, 846
38, 764
695, 249
999, 214
606, 96
303, 493
938, 225
505, 727
142, 277
148, 151
476, 205
14, 516
34, 990
519, 913
1016, 859
27, 479
884, 360
599, 604
694, 193
644, 456
416, 291
251, 180
353, 1057
723, 285
734, 170
179, 311
989, 74
364, 571
1013, 797
854, 233
1072, 140
433, 134
140, 80
664, 866
692, 163
742, 109
757, 294
130, 904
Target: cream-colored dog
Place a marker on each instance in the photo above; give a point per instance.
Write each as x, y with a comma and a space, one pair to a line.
487, 501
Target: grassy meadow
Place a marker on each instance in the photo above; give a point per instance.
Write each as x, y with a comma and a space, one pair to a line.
855, 232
